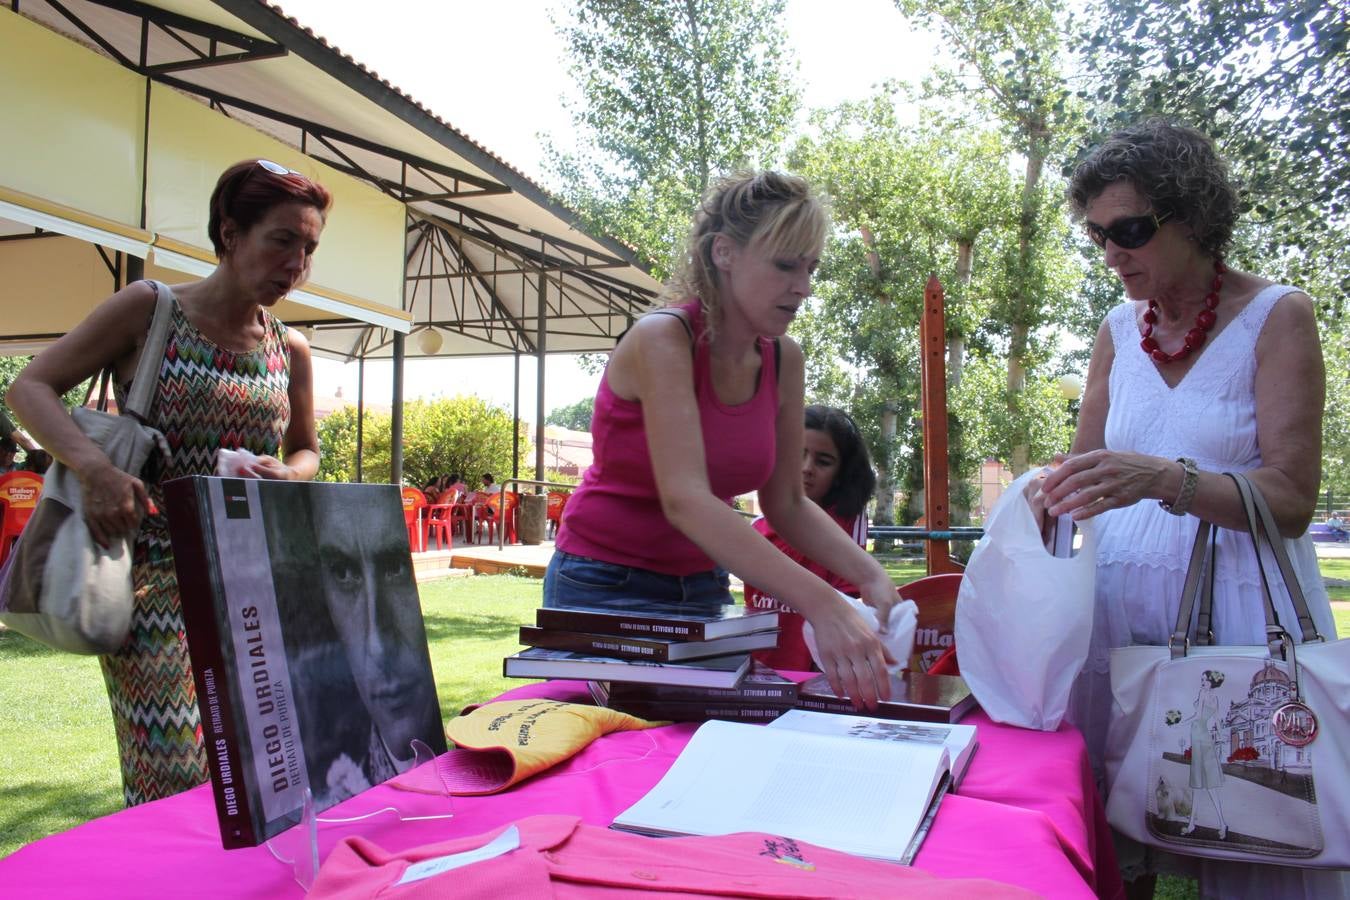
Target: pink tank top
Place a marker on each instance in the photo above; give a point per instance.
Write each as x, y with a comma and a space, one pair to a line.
615, 515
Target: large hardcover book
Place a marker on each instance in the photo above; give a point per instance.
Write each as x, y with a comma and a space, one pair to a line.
760, 685
653, 648
960, 741
698, 711
307, 642
668, 624
538, 662
870, 798
914, 695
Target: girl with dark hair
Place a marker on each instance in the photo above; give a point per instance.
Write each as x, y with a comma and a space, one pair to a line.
233, 377
837, 476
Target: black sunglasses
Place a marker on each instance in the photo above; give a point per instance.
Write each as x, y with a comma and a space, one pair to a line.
1127, 234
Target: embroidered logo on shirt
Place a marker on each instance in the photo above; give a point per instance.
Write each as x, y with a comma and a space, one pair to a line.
786, 851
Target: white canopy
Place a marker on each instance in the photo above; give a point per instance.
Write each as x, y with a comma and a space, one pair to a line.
120, 114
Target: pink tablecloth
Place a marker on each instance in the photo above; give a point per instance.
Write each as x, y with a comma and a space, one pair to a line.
1026, 815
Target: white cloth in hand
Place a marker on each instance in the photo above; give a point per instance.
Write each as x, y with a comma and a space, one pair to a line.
235, 463
897, 638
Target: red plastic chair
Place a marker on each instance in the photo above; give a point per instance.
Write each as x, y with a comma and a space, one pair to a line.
556, 501
934, 636
438, 522
490, 515
414, 501
4, 539
20, 492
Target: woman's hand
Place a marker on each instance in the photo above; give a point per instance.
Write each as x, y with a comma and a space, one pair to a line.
851, 655
268, 467
114, 503
1090, 483
881, 595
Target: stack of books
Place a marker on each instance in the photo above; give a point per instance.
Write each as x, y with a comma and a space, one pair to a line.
915, 696
657, 648
762, 696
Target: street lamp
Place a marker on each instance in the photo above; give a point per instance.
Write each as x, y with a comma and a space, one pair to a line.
1070, 387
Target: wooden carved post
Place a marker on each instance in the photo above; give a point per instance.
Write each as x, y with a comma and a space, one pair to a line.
933, 353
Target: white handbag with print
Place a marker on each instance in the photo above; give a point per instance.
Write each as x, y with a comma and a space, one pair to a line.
1234, 752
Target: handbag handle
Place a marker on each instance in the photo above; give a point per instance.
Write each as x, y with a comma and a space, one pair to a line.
1260, 521
146, 376
1179, 642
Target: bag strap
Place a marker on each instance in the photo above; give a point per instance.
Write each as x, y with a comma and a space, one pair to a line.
1260, 521
1204, 623
152, 354
1179, 641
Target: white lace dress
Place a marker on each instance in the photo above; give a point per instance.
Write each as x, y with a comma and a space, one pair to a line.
1143, 550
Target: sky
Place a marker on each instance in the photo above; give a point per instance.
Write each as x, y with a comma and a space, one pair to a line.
494, 70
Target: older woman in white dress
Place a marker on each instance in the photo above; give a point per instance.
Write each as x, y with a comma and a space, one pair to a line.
1203, 369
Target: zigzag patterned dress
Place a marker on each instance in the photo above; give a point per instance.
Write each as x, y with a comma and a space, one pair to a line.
207, 398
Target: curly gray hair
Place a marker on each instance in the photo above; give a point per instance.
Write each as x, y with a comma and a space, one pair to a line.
1175, 168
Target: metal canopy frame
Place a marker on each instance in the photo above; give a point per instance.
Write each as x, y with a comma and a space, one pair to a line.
473, 273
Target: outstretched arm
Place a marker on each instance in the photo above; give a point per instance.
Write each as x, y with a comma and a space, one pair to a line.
653, 365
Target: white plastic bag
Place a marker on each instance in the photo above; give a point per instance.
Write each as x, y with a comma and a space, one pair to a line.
898, 638
1024, 616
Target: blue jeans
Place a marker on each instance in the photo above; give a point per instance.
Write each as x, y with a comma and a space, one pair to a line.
594, 584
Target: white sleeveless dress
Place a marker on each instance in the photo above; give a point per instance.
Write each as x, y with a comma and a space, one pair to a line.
1143, 550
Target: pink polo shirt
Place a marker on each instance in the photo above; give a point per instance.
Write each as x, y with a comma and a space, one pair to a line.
559, 857
615, 515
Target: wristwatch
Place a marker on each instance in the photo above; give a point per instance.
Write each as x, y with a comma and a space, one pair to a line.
1190, 477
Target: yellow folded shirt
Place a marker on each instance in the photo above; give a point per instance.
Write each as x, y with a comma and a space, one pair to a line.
501, 743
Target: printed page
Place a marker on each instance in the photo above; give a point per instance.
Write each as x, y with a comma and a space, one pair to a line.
957, 739
862, 797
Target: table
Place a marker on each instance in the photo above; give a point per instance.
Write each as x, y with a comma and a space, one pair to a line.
1027, 814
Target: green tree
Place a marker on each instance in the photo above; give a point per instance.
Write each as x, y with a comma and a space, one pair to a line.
337, 441
1010, 57
577, 416
457, 434
673, 93
910, 201
1267, 80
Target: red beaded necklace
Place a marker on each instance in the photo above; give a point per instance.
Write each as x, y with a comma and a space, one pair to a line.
1204, 322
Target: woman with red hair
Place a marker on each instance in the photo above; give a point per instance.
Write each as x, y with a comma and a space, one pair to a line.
232, 377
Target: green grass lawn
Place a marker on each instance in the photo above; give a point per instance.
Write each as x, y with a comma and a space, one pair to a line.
59, 757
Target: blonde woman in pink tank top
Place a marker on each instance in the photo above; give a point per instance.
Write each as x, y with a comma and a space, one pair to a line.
702, 401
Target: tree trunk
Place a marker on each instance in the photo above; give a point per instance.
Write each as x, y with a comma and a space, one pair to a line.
956, 342
885, 513
1021, 304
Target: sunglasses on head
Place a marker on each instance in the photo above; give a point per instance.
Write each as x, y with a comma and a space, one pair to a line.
1127, 234
277, 168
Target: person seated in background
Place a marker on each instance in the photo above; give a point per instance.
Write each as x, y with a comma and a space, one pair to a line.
456, 482
7, 450
837, 476
490, 485
37, 462
432, 490
1336, 525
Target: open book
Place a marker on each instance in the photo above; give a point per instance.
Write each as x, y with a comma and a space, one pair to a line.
960, 740
869, 798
